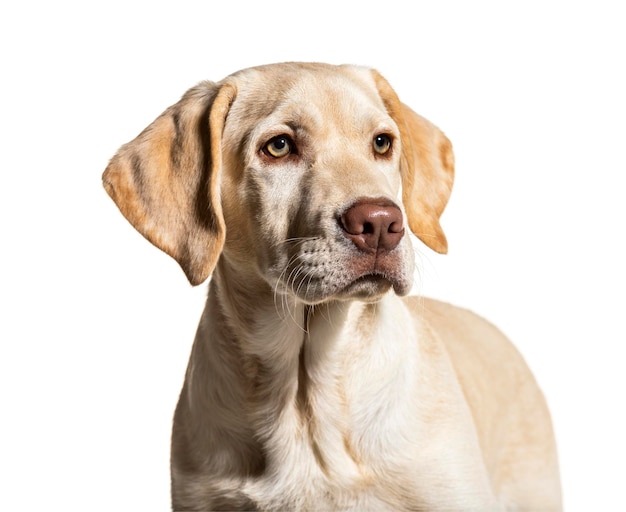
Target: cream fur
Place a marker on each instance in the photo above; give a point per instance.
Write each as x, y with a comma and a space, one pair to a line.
314, 383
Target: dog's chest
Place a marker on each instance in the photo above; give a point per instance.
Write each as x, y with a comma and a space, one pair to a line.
309, 482
348, 441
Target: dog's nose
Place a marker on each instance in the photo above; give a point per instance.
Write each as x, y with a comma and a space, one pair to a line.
373, 225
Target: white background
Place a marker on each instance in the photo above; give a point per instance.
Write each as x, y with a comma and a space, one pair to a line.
96, 324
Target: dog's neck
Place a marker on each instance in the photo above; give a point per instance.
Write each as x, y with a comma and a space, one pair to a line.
282, 345
276, 375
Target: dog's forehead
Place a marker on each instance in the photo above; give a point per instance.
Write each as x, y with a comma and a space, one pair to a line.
346, 94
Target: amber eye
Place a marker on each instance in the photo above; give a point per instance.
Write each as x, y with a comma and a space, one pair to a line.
278, 147
382, 143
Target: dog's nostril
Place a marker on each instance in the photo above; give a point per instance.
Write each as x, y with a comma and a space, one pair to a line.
368, 228
396, 227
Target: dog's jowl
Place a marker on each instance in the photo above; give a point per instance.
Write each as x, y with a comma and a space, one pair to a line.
315, 382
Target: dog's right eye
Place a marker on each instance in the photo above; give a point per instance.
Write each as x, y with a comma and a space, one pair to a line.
278, 147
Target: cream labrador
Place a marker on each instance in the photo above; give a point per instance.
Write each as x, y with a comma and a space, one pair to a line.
313, 382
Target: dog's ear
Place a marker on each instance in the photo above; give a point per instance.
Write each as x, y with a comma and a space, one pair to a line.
427, 166
166, 181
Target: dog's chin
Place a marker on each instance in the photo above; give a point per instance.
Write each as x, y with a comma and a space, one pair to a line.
368, 288
371, 287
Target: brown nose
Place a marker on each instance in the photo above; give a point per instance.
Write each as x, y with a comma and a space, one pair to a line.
373, 225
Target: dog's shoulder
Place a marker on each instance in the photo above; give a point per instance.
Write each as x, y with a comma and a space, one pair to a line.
501, 392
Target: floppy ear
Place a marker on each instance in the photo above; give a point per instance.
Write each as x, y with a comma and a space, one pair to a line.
427, 166
166, 181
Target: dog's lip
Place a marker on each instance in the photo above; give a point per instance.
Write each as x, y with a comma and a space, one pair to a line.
373, 276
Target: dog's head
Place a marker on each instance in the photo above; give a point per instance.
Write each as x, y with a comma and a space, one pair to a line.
304, 174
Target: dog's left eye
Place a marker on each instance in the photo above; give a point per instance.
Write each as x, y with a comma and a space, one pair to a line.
278, 147
382, 143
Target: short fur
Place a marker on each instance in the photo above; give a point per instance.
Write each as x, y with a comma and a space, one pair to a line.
313, 383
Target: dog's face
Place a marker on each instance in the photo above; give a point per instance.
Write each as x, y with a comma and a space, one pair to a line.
294, 164
303, 174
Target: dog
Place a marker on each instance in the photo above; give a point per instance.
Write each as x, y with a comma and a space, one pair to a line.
315, 382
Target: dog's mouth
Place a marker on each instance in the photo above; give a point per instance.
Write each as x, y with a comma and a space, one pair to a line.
374, 275
316, 273
372, 280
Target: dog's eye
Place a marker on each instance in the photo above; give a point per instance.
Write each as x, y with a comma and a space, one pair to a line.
278, 147
382, 143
